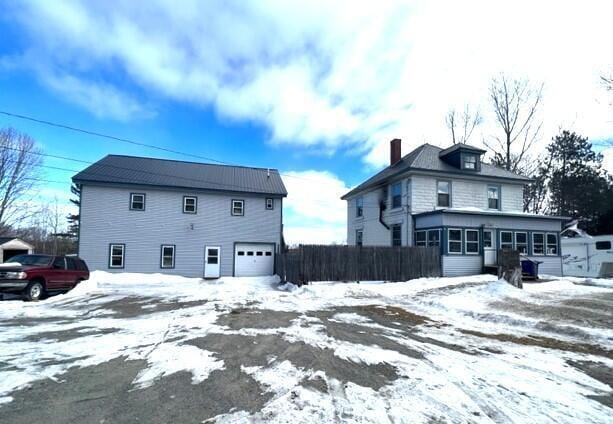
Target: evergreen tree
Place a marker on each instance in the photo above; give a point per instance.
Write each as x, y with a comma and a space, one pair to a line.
578, 186
73, 219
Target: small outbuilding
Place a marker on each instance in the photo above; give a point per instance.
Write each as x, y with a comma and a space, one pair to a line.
12, 246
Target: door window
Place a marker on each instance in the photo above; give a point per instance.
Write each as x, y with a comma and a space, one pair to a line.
487, 239
213, 256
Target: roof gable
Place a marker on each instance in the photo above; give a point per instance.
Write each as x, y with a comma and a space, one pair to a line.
133, 170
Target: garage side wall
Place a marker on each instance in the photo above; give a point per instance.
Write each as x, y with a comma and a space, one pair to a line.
106, 218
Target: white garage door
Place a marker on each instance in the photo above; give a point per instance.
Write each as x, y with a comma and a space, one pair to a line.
252, 260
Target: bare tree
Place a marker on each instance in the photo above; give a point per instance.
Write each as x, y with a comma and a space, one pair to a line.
462, 125
516, 104
608, 82
19, 164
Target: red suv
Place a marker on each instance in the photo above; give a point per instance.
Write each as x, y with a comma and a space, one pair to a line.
34, 276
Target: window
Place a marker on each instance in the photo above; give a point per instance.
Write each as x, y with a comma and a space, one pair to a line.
603, 245
469, 162
396, 195
443, 194
521, 243
359, 206
238, 207
455, 241
493, 197
249, 253
167, 259
538, 243
268, 253
359, 234
420, 238
434, 237
506, 240
258, 253
59, 263
472, 242
190, 204
212, 256
270, 203
137, 201
71, 264
241, 253
552, 244
487, 239
397, 235
385, 195
116, 255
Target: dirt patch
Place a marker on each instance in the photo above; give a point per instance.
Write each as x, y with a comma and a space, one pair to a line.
65, 335
133, 306
545, 342
600, 372
268, 350
256, 318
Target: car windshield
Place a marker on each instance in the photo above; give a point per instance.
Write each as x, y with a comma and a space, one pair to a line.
36, 260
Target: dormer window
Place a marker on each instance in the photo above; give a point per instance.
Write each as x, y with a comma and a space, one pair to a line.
470, 162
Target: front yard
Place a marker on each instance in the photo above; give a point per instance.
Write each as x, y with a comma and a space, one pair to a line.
152, 348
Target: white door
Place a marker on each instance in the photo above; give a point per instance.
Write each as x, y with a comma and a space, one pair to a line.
489, 247
211, 261
251, 260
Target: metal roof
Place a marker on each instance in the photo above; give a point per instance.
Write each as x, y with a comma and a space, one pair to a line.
134, 170
426, 158
474, 211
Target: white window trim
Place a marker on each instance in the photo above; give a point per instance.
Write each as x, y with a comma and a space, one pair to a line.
499, 198
449, 230
547, 245
492, 232
242, 203
195, 211
512, 239
544, 244
359, 207
392, 234
449, 193
111, 256
466, 242
132, 208
515, 242
166, 246
270, 202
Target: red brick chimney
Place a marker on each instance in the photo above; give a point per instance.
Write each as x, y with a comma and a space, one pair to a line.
395, 151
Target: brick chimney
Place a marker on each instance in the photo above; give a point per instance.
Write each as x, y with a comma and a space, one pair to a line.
395, 151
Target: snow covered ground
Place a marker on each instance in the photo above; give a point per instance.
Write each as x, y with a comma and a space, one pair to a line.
469, 349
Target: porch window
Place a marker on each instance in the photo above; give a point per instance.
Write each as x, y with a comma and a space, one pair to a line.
521, 243
443, 193
552, 244
434, 237
359, 206
359, 234
506, 240
396, 195
420, 238
472, 242
493, 197
538, 243
455, 241
397, 235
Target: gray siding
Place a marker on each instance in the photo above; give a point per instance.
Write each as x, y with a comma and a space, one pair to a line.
106, 218
464, 193
551, 265
501, 222
462, 265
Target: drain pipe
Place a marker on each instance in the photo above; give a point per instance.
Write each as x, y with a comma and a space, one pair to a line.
381, 209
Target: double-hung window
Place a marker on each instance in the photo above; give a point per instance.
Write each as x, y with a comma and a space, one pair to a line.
359, 235
469, 162
270, 203
493, 197
167, 256
396, 195
137, 201
443, 194
397, 235
454, 241
117, 254
434, 237
238, 207
506, 240
521, 243
538, 243
190, 204
472, 242
359, 206
552, 244
420, 238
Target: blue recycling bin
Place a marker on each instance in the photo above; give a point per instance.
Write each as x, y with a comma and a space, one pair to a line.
530, 268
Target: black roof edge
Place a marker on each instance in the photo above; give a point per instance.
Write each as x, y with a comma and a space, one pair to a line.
493, 213
217, 190
461, 146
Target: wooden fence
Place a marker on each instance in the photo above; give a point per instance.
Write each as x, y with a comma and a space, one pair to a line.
353, 263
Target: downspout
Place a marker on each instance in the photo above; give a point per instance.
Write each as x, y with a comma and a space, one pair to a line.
381, 209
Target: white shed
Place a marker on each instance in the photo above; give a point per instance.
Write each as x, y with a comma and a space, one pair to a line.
12, 246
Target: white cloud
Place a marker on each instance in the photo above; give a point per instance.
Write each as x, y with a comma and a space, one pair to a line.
331, 74
313, 210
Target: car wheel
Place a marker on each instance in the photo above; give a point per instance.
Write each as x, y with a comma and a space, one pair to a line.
34, 291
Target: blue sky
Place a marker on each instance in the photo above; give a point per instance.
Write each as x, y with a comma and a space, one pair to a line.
314, 89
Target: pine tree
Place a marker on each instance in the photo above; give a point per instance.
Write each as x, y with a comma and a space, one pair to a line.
73, 219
